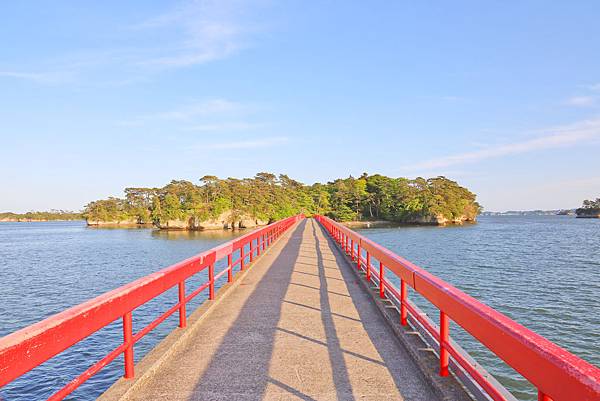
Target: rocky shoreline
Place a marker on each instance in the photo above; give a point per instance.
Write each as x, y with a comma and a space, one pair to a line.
588, 213
223, 222
415, 221
226, 222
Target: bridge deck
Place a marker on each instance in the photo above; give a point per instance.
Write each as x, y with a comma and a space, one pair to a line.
299, 326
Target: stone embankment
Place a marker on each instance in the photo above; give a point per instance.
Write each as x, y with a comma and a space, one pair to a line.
222, 222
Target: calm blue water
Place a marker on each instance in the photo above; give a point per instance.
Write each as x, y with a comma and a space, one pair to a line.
544, 272
48, 267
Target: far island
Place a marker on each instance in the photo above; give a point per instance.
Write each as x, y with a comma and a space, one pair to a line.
52, 215
589, 210
233, 203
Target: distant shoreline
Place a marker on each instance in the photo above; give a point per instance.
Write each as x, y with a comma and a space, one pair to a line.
36, 220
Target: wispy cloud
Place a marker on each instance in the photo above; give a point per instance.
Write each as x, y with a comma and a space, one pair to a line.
207, 31
579, 133
224, 126
595, 87
582, 101
189, 115
246, 144
192, 33
200, 109
48, 77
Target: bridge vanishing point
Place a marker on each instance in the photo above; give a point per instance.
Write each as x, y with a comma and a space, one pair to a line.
309, 311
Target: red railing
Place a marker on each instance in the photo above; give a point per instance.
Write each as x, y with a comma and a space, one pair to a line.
557, 374
29, 347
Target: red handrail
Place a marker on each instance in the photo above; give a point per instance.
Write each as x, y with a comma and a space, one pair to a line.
557, 374
27, 348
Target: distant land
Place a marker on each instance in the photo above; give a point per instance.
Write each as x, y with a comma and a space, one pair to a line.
554, 212
52, 215
590, 209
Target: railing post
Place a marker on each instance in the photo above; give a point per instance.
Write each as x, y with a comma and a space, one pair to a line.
128, 341
358, 263
182, 315
368, 267
211, 281
251, 251
258, 245
352, 249
444, 337
242, 257
403, 297
381, 281
543, 397
229, 269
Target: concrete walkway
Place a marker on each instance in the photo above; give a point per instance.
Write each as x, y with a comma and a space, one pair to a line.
299, 326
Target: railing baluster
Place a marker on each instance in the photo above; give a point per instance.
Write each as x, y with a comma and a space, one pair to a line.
211, 281
368, 267
381, 281
444, 338
229, 269
403, 298
128, 341
182, 314
242, 257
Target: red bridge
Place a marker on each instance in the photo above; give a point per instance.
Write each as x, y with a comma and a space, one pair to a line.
310, 311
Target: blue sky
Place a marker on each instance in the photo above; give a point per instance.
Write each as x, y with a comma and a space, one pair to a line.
503, 97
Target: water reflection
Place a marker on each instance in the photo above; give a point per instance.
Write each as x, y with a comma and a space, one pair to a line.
221, 235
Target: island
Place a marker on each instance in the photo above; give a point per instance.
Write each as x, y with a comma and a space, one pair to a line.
52, 215
234, 203
589, 210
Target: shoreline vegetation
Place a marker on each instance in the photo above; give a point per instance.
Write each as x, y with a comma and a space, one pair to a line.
52, 215
589, 210
233, 203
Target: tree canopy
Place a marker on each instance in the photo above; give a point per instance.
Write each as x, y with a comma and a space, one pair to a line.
269, 197
41, 216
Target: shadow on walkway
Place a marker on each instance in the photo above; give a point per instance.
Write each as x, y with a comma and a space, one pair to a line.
299, 326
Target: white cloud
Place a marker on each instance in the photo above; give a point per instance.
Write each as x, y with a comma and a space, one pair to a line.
208, 31
595, 87
39, 77
224, 126
203, 108
581, 101
582, 132
246, 144
194, 33
191, 112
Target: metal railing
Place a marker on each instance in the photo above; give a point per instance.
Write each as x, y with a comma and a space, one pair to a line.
28, 348
557, 374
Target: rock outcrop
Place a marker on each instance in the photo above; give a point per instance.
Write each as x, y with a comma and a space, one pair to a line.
114, 223
438, 220
224, 221
588, 213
